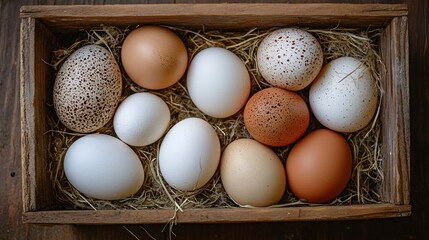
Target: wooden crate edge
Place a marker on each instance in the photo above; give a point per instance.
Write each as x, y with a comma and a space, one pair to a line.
27, 113
395, 103
221, 9
219, 215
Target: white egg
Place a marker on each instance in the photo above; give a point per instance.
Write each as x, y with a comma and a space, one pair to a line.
289, 58
141, 119
189, 154
218, 82
344, 95
103, 167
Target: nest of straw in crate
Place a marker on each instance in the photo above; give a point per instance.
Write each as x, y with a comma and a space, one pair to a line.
366, 177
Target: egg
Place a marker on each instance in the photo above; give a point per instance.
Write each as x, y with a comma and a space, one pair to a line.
218, 82
252, 174
141, 119
319, 166
276, 117
289, 58
189, 154
154, 57
102, 167
344, 95
87, 89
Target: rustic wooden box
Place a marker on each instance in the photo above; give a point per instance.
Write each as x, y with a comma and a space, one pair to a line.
42, 27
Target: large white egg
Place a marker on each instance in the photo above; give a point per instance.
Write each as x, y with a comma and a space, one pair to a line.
189, 154
103, 167
343, 97
141, 119
218, 82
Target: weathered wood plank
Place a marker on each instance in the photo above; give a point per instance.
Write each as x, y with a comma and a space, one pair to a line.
27, 114
11, 226
396, 113
223, 9
67, 18
37, 44
215, 215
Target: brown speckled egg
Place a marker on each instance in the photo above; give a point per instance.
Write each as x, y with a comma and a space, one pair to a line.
87, 89
276, 117
289, 58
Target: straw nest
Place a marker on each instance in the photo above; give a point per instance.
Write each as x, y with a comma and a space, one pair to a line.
362, 188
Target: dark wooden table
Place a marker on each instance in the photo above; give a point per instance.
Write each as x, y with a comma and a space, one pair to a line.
414, 227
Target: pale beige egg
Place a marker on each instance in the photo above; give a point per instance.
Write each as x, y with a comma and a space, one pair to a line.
252, 174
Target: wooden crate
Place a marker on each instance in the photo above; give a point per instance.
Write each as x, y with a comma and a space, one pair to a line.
43, 27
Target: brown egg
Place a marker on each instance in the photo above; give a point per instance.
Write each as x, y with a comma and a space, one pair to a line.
319, 166
154, 57
276, 117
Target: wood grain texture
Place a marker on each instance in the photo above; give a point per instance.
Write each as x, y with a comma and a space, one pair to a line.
27, 116
221, 10
419, 114
414, 227
74, 17
11, 226
220, 215
37, 42
395, 105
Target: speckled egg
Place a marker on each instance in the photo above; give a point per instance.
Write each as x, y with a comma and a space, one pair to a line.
276, 117
87, 89
289, 58
344, 95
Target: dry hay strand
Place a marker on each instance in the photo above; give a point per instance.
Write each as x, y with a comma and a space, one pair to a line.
367, 175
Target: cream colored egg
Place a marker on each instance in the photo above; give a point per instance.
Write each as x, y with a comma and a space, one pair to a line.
344, 95
252, 174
